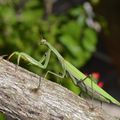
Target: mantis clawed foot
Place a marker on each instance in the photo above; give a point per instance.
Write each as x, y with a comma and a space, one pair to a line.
2, 56
38, 87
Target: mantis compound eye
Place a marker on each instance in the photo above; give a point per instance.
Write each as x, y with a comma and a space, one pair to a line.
46, 54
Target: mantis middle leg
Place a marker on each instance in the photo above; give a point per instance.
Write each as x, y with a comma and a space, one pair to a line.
58, 75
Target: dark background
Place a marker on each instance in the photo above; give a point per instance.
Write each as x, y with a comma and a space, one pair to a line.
110, 9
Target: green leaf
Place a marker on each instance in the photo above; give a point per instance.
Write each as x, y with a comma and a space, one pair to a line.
72, 29
89, 40
9, 15
32, 3
2, 116
70, 44
79, 11
30, 16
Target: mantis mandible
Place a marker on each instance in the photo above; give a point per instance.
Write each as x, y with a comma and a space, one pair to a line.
78, 77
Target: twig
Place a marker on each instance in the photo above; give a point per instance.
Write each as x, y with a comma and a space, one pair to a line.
50, 102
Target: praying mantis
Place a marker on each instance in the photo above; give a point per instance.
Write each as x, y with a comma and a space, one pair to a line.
85, 83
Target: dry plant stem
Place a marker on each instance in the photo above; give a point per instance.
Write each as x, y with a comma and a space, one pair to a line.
49, 6
51, 102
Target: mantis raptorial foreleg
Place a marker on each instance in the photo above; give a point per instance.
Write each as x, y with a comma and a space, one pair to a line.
28, 58
44, 59
31, 60
41, 60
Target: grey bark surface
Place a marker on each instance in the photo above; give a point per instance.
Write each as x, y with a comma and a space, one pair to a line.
50, 102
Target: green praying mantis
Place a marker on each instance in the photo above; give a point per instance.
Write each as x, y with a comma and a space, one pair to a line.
85, 83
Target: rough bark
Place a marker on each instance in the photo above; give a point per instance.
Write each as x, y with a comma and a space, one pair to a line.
51, 102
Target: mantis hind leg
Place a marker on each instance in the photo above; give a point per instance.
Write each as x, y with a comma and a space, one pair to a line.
83, 88
81, 83
92, 91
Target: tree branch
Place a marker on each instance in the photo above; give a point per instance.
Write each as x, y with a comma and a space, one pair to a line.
50, 102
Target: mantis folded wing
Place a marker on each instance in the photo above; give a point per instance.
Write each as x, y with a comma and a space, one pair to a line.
78, 77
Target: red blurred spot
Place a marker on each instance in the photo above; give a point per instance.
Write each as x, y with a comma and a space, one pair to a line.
100, 84
96, 75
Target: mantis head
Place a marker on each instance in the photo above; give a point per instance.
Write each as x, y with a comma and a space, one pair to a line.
43, 41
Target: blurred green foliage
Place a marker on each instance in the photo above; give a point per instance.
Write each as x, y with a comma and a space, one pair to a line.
24, 23
95, 2
2, 116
